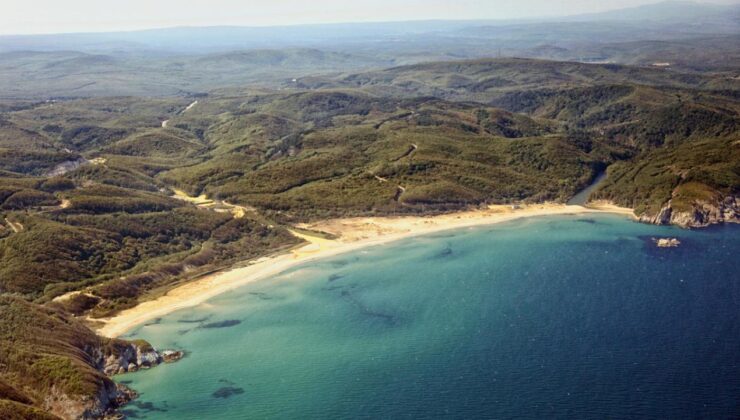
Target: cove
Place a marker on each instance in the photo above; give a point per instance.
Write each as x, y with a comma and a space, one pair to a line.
555, 317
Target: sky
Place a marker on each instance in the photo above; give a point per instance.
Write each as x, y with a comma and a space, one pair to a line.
60, 16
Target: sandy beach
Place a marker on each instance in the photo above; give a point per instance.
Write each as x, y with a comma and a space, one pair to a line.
352, 234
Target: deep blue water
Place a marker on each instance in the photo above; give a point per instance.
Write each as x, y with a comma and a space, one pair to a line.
561, 317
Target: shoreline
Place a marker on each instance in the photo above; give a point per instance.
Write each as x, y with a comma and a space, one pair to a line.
353, 234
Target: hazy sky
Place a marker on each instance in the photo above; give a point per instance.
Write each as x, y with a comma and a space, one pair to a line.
53, 16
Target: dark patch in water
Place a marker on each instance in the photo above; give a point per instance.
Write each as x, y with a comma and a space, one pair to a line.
261, 295
127, 382
339, 263
183, 332
147, 406
226, 381
335, 277
133, 334
444, 253
155, 321
339, 287
558, 225
442, 236
367, 311
227, 392
589, 221
222, 324
194, 321
130, 414
176, 345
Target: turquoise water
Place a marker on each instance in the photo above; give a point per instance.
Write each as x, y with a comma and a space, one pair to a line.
562, 317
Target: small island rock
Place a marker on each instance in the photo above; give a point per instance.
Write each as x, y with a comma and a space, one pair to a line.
667, 243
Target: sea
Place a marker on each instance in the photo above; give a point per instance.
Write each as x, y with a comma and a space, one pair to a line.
564, 317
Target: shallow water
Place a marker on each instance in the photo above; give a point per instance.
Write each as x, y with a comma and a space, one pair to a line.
558, 317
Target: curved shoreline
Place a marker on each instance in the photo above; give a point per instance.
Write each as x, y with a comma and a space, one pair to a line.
355, 233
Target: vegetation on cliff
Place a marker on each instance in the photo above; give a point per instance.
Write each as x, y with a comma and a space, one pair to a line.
52, 365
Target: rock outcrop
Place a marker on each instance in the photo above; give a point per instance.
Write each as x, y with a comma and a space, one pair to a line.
667, 242
114, 357
51, 363
102, 404
701, 214
122, 357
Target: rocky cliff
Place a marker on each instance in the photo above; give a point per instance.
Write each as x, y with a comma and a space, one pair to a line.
111, 358
699, 213
51, 363
124, 356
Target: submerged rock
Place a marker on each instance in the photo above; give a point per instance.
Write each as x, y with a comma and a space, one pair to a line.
222, 324
227, 392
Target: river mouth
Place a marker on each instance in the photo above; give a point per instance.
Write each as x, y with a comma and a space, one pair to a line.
582, 197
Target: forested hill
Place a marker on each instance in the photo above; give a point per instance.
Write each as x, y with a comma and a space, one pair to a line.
485, 79
446, 134
88, 185
677, 132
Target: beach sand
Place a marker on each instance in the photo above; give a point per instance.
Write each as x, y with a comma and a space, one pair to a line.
608, 206
352, 234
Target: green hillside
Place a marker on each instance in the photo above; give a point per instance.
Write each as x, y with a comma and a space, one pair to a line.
486, 79
639, 113
87, 185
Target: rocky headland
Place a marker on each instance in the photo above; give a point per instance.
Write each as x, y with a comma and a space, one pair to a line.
52, 366
699, 214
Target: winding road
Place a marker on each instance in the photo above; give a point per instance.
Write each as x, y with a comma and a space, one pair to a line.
16, 227
187, 108
399, 189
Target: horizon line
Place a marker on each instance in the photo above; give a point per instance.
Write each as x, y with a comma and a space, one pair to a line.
533, 19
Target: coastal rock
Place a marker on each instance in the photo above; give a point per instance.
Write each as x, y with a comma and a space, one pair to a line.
662, 218
126, 357
667, 242
701, 214
116, 357
61, 366
118, 361
171, 356
103, 404
148, 359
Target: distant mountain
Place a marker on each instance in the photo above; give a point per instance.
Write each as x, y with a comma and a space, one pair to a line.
685, 36
698, 54
75, 74
487, 79
399, 37
228, 38
688, 11
295, 58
